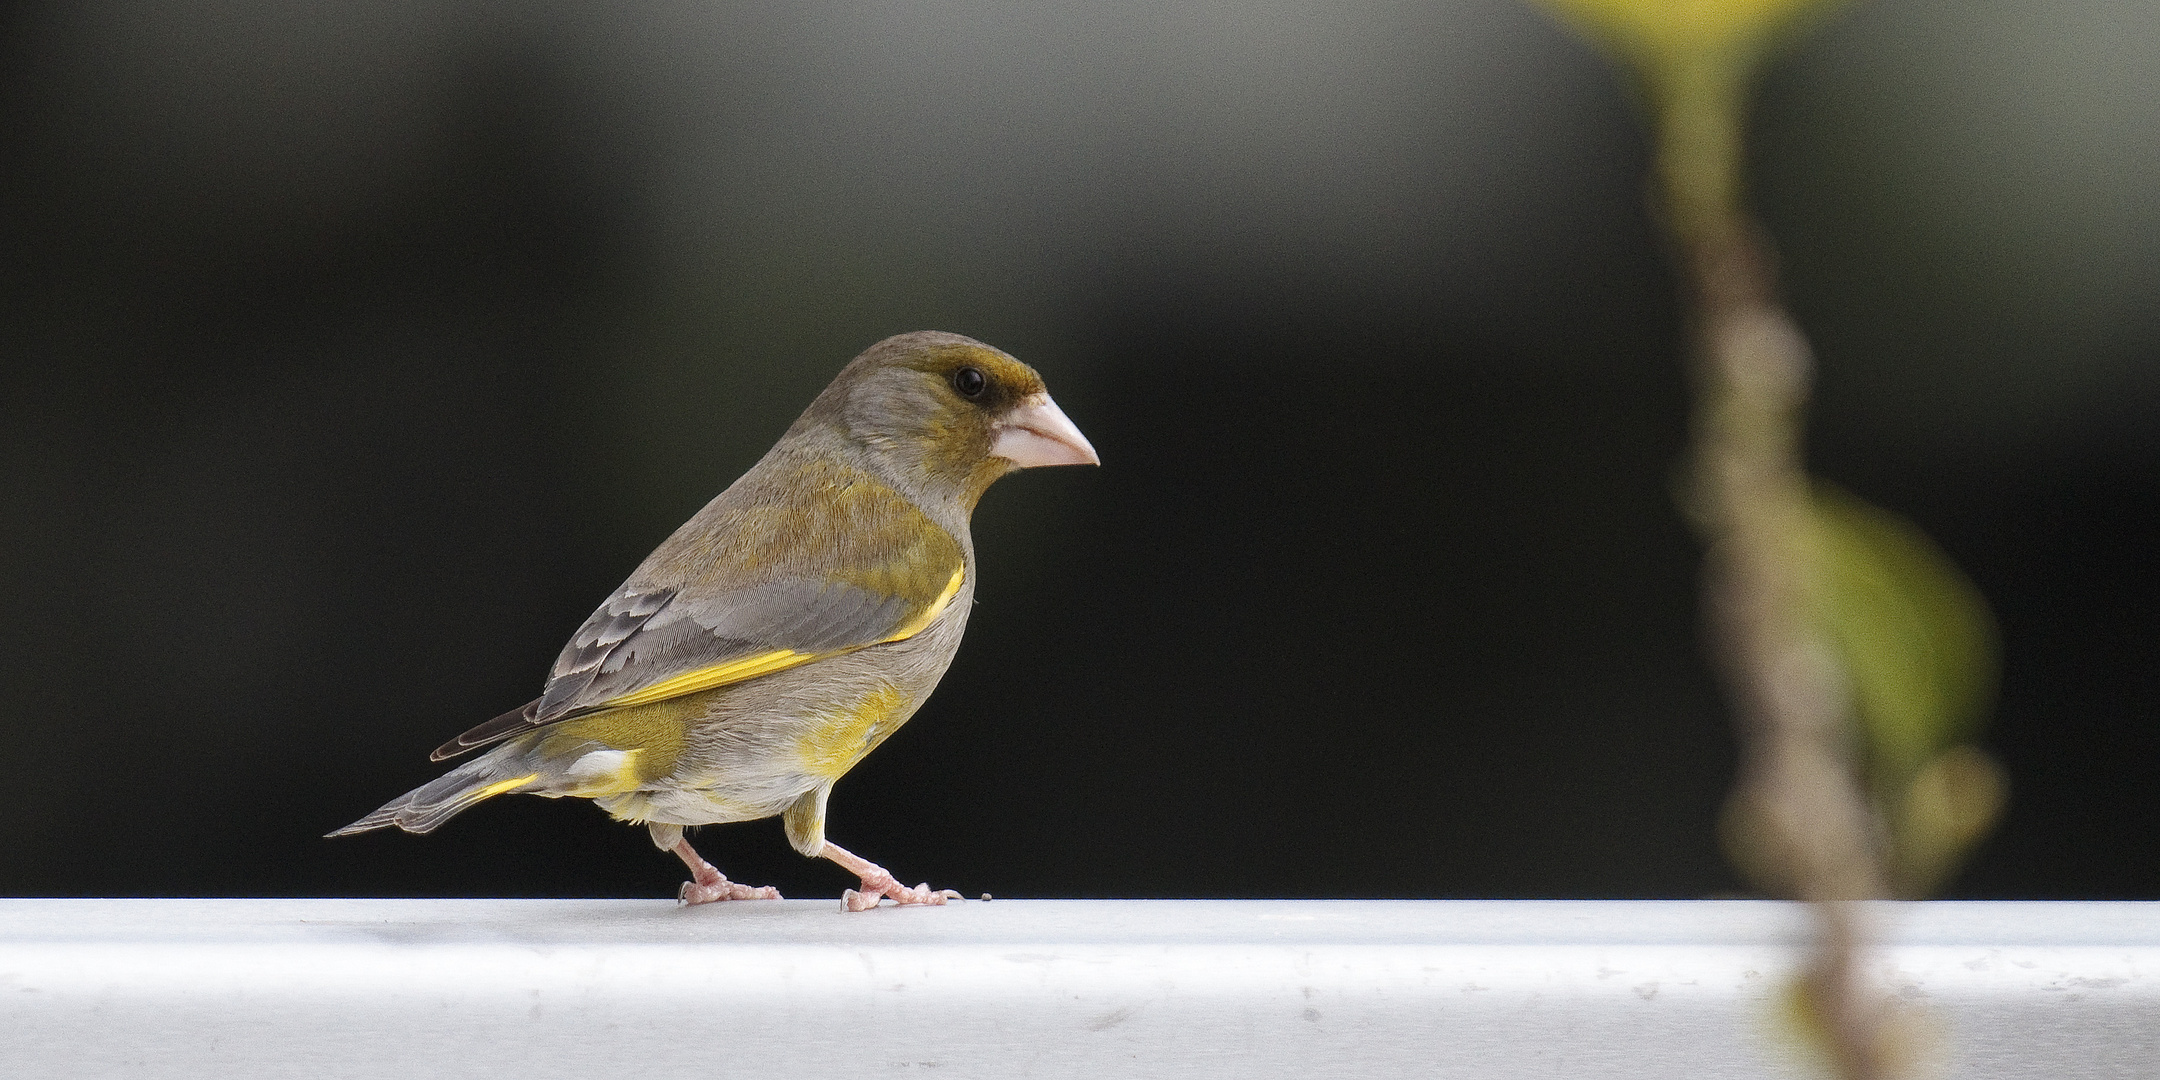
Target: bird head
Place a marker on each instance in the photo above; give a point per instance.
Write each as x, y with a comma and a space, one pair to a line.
951, 411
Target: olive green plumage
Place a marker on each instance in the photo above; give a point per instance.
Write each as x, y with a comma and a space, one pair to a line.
791, 625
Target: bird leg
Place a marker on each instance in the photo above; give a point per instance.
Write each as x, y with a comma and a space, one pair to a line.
708, 884
877, 882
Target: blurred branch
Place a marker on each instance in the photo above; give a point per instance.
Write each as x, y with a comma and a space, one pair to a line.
1854, 652
1804, 819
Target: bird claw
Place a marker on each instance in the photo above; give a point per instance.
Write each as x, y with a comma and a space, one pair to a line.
707, 884
874, 890
700, 892
878, 883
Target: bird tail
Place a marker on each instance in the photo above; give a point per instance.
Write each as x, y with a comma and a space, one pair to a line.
425, 807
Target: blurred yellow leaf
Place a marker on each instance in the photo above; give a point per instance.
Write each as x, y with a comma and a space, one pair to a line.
1911, 1041
1916, 638
1695, 60
1950, 803
1662, 30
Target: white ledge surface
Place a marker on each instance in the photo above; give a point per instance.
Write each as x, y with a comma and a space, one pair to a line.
1097, 989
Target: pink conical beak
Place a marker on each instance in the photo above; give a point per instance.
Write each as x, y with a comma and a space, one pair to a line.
1036, 432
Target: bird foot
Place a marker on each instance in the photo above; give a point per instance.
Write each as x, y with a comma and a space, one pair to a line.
868, 898
703, 892
879, 884
707, 884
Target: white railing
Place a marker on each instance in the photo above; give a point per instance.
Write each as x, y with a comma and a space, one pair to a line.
608, 989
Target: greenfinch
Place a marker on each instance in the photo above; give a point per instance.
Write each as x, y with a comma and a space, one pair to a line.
787, 629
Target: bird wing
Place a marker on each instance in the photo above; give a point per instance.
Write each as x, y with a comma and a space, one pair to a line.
769, 587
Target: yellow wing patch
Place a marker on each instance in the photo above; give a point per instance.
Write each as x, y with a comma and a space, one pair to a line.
718, 675
937, 607
765, 663
500, 786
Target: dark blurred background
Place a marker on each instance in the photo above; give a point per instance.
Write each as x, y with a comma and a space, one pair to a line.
349, 355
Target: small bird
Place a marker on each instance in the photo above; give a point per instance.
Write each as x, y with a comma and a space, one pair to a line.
787, 629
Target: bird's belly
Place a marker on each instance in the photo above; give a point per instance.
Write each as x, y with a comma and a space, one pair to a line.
763, 747
745, 785
694, 806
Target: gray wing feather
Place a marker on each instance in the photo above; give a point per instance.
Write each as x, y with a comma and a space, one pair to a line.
596, 644
638, 639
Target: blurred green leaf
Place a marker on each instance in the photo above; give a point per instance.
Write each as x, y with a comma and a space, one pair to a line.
1920, 655
1916, 638
1947, 806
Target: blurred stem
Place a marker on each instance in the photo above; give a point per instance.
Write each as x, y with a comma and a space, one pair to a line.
1802, 806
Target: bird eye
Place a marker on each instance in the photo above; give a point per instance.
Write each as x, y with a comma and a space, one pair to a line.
969, 382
